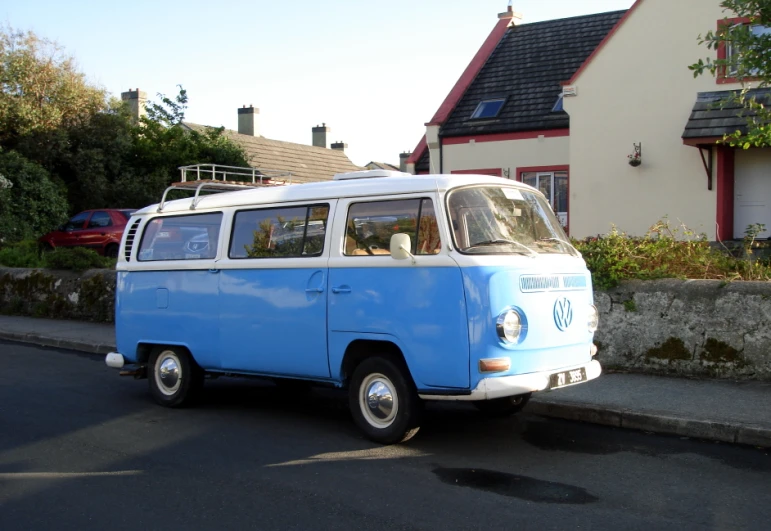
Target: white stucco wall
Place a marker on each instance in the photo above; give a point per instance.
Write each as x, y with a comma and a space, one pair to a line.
638, 89
507, 155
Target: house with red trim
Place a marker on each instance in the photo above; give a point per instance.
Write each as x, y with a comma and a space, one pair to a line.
602, 114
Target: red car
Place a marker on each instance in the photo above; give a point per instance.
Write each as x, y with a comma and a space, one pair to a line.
100, 230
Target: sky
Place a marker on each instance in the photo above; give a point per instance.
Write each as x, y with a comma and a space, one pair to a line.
373, 72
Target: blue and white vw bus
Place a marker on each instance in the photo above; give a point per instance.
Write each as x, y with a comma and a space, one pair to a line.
398, 288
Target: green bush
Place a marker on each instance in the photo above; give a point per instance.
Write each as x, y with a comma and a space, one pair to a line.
76, 259
664, 252
22, 254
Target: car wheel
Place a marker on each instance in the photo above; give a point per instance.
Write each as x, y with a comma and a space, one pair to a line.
111, 251
384, 402
175, 378
503, 407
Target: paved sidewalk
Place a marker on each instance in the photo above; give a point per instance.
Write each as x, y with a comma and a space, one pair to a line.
734, 412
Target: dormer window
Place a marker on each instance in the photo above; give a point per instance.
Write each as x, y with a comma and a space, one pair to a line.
488, 109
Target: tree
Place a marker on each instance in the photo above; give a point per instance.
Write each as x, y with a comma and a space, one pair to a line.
32, 204
749, 62
40, 88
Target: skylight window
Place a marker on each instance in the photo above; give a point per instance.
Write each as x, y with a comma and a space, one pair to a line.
488, 109
558, 106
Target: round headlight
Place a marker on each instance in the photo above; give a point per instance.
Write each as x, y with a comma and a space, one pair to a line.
509, 326
594, 318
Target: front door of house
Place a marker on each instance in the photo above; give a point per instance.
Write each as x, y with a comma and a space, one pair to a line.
752, 191
554, 185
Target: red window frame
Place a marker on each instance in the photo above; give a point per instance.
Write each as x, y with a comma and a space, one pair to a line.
722, 51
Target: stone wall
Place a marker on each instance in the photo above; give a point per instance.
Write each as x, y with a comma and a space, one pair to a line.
87, 296
687, 328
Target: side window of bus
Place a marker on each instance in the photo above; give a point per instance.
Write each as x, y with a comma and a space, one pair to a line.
370, 226
288, 232
188, 237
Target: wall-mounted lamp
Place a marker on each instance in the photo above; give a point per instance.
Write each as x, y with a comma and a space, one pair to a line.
635, 159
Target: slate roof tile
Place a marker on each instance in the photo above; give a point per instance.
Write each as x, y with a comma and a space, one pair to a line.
527, 67
715, 114
306, 163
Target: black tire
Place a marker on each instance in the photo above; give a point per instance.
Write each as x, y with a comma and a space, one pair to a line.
171, 390
111, 251
397, 415
503, 407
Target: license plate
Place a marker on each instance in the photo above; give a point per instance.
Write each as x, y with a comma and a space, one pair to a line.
561, 379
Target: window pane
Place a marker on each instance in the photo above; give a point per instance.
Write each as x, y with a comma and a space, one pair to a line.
530, 179
279, 232
500, 220
77, 222
99, 219
428, 234
192, 237
371, 225
488, 109
561, 191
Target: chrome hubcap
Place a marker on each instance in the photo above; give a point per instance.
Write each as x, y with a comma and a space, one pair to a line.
167, 373
378, 401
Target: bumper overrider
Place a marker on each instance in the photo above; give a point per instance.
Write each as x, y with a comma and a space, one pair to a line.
502, 386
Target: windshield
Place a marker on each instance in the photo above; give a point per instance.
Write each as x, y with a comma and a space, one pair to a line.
504, 220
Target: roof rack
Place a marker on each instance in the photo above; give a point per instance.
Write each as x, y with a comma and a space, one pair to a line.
219, 178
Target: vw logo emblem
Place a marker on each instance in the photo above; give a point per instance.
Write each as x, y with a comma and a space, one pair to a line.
563, 313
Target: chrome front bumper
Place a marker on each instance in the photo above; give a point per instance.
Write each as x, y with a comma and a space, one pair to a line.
490, 388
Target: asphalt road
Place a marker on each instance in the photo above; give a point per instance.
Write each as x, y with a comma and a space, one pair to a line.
82, 448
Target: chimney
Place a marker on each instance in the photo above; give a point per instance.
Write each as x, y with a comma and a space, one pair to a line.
340, 146
320, 135
509, 14
137, 101
248, 121
403, 160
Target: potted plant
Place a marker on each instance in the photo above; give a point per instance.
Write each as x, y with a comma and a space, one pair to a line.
635, 159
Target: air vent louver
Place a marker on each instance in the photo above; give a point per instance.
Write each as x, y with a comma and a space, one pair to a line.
132, 233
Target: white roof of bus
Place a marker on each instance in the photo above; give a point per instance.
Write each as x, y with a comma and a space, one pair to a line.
339, 188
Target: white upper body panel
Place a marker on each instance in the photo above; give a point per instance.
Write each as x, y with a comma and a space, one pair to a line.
337, 189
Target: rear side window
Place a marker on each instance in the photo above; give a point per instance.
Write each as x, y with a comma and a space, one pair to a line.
370, 226
99, 219
192, 237
288, 232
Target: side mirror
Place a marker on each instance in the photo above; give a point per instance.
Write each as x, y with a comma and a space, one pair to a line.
400, 247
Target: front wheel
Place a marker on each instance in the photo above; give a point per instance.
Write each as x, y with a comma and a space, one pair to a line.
502, 407
383, 401
175, 378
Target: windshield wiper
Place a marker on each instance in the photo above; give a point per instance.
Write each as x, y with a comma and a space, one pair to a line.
531, 252
575, 252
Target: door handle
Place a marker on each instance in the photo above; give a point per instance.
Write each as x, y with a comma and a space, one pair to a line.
314, 290
341, 289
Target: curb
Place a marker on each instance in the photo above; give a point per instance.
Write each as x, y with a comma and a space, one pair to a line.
44, 341
664, 423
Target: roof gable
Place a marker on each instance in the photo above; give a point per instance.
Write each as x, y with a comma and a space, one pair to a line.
527, 68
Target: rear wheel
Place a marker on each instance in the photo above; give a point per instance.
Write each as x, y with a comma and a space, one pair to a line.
383, 401
175, 378
502, 407
111, 251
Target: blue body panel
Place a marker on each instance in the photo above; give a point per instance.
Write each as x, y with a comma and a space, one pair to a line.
299, 322
274, 321
543, 346
170, 308
424, 307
